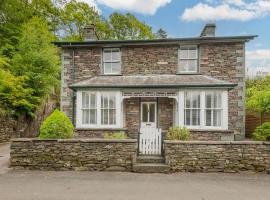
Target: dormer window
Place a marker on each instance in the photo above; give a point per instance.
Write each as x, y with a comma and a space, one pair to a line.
188, 59
111, 61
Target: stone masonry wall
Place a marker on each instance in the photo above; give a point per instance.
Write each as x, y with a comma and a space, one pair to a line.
223, 61
217, 156
212, 135
8, 127
73, 154
227, 62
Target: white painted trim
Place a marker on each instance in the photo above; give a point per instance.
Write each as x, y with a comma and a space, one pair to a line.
119, 113
181, 106
153, 124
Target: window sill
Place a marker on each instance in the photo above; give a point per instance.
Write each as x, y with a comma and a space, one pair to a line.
111, 74
211, 130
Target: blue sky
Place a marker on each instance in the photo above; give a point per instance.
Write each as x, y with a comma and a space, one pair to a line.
186, 18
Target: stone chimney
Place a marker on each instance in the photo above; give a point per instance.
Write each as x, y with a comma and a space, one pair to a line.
90, 33
209, 30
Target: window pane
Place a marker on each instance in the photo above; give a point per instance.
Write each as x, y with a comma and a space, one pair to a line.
208, 101
107, 55
195, 117
192, 65
187, 117
112, 116
192, 53
218, 100
93, 101
216, 117
104, 116
112, 102
144, 113
105, 102
107, 68
85, 100
183, 65
116, 68
152, 113
187, 100
85, 117
208, 118
115, 55
196, 101
93, 116
183, 53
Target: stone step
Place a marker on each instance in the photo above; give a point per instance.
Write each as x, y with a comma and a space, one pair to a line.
151, 168
150, 159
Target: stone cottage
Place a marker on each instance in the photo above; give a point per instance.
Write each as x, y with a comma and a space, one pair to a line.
143, 87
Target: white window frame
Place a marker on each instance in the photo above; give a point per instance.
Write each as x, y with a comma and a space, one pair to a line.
181, 109
196, 58
98, 125
112, 61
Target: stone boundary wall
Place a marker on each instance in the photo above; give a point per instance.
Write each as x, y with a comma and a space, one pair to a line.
217, 156
212, 135
7, 128
73, 154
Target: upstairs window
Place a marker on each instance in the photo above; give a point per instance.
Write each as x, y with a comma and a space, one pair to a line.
111, 61
188, 59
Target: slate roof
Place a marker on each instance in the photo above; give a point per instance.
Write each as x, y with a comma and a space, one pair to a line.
153, 81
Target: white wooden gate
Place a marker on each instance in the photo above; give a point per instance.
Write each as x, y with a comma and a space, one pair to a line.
150, 141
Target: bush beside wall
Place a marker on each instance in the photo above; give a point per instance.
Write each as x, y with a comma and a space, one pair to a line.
73, 154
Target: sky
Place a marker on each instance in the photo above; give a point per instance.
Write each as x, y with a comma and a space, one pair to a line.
186, 18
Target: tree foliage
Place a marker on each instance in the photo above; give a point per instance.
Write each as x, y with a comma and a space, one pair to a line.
29, 63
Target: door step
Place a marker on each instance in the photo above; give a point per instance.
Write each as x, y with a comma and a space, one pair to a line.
150, 164
151, 168
150, 159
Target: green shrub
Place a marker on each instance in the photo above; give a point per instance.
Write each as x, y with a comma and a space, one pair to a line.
262, 132
178, 133
57, 125
119, 135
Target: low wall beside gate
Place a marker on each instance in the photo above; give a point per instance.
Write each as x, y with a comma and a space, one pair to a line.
217, 156
73, 154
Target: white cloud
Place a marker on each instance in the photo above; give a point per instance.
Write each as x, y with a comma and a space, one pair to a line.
239, 10
258, 60
148, 7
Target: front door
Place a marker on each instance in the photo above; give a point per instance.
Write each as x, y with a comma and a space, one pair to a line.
150, 135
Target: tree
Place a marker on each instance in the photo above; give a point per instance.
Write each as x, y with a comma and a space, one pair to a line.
37, 59
258, 96
161, 34
127, 27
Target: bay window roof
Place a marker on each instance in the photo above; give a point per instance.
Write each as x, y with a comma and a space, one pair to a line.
154, 81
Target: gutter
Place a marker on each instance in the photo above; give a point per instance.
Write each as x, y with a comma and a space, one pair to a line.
229, 86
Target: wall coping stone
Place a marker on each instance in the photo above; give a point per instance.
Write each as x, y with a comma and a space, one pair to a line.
92, 140
211, 130
217, 142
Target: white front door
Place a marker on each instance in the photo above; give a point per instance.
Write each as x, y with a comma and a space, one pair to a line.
150, 135
148, 114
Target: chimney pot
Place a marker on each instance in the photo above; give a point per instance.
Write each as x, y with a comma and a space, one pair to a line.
209, 30
90, 33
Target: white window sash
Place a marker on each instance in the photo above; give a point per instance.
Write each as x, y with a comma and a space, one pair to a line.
118, 111
110, 50
224, 108
187, 59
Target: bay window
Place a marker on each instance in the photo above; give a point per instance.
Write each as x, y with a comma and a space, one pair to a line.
203, 109
97, 109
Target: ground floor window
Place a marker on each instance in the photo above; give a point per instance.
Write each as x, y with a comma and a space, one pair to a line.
203, 109
96, 109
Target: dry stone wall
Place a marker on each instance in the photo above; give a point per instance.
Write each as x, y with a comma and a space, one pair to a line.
73, 154
200, 156
7, 128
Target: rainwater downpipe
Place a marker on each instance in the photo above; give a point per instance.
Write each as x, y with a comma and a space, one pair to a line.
73, 81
